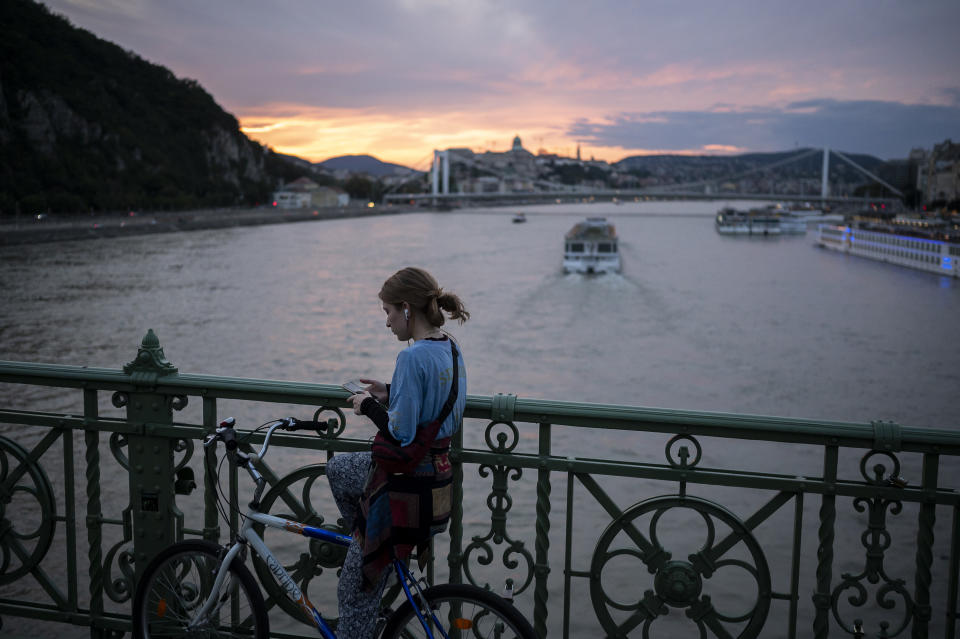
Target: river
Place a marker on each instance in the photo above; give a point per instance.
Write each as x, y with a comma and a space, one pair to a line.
699, 321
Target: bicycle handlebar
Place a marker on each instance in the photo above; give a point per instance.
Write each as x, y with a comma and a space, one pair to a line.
225, 433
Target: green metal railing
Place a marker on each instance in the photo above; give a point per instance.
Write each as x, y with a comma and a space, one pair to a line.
848, 547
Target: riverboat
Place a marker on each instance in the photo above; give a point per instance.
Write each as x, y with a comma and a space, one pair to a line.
519, 218
591, 247
792, 224
795, 218
761, 222
914, 243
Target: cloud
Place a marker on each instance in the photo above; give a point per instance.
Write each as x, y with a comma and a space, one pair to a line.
618, 77
882, 128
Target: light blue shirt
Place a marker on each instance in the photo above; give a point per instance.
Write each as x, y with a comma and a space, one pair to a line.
420, 387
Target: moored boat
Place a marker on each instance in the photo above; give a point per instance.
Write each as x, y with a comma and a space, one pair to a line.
519, 218
926, 245
761, 222
591, 247
791, 223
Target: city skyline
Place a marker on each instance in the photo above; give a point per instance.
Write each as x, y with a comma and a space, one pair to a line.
397, 80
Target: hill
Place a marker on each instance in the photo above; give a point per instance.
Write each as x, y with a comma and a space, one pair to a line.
88, 126
362, 164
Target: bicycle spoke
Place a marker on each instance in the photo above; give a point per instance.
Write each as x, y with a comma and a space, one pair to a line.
177, 585
459, 612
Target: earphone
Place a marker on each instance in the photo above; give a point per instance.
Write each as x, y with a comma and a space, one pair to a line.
406, 314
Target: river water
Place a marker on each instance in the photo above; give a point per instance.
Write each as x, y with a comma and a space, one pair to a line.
697, 321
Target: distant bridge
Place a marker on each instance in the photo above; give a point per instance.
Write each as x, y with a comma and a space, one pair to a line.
440, 194
617, 195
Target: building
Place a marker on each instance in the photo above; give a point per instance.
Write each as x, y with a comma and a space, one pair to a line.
943, 173
305, 193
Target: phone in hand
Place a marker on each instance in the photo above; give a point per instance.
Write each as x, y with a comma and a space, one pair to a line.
355, 386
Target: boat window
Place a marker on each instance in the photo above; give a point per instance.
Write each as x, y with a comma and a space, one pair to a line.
604, 247
576, 247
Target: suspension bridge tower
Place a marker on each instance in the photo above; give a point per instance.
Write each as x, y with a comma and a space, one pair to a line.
440, 172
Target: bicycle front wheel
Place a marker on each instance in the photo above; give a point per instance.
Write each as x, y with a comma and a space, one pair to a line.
177, 583
464, 611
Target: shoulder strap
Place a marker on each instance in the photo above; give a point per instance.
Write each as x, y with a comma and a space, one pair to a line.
452, 397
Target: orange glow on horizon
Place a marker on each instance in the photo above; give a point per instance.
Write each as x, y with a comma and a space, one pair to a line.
409, 139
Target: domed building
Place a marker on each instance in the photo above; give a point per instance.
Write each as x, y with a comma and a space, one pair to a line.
509, 171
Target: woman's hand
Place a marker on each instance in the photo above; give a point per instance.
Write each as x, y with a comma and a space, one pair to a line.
377, 389
357, 399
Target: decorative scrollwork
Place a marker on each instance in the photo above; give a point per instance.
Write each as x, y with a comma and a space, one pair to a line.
27, 512
120, 399
335, 425
683, 453
880, 475
499, 502
177, 402
876, 540
118, 441
502, 445
120, 589
678, 583
185, 446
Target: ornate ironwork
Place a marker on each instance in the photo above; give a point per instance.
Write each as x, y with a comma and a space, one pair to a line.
150, 363
120, 399
335, 424
177, 402
121, 588
499, 502
876, 540
678, 583
681, 584
121, 555
27, 512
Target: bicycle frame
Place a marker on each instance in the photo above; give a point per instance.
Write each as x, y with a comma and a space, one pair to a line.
248, 534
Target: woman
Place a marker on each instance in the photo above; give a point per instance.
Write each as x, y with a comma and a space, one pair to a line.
415, 416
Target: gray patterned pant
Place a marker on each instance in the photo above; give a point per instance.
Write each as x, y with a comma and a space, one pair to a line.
347, 474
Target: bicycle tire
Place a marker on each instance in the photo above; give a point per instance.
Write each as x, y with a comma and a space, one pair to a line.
177, 581
482, 614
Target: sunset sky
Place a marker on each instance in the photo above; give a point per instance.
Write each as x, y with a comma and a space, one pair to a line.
318, 79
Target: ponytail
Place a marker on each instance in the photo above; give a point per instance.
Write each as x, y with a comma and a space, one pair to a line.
420, 290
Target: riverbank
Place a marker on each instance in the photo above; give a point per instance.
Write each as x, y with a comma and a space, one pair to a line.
59, 228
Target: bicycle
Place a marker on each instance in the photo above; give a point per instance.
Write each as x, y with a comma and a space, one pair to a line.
197, 588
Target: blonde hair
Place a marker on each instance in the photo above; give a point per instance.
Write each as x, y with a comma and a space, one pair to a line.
421, 291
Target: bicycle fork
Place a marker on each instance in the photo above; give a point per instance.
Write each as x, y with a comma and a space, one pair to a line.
214, 599
420, 604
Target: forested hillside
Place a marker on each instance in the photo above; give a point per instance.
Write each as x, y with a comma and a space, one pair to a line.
88, 126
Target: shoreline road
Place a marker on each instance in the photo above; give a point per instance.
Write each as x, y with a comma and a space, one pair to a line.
58, 228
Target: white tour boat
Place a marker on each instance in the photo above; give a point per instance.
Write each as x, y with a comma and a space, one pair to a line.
591, 247
753, 222
921, 244
791, 223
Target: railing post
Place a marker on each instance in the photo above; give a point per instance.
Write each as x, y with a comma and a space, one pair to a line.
150, 457
542, 566
94, 512
211, 517
927, 517
455, 555
826, 532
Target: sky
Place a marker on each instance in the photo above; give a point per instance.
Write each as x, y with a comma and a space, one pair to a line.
396, 80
